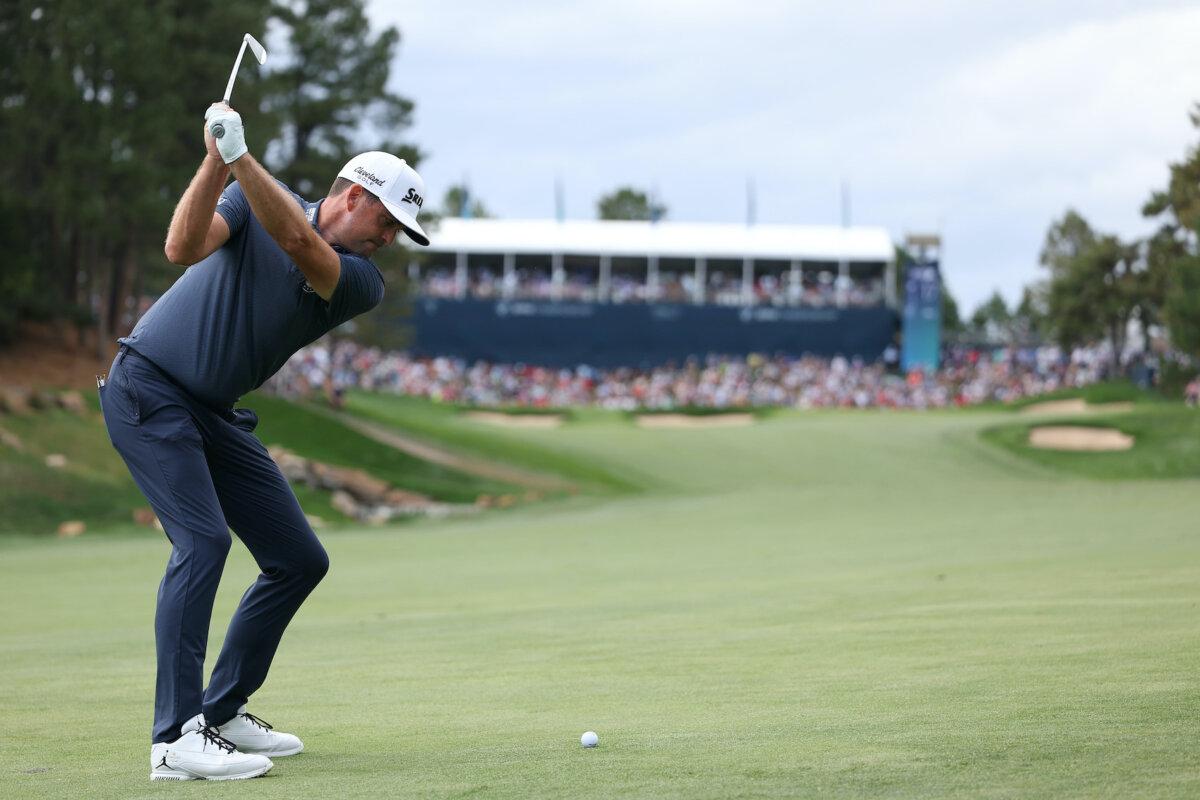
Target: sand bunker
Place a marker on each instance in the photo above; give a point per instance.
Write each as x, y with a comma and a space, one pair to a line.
1076, 406
517, 420
1070, 437
689, 421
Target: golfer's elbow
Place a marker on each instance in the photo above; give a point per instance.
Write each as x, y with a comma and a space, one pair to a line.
178, 255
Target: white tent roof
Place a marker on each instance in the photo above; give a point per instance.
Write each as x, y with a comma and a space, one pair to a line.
662, 239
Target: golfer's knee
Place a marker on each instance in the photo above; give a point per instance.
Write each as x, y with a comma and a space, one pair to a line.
313, 567
207, 544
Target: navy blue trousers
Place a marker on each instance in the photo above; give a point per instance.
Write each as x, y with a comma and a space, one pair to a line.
204, 471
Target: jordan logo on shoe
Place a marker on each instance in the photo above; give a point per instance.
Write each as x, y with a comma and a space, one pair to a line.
163, 763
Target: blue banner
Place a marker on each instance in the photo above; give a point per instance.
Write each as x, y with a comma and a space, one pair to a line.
922, 317
563, 334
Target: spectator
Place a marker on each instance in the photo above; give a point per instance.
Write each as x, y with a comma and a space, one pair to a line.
968, 376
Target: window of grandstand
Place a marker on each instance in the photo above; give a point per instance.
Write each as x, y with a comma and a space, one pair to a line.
693, 264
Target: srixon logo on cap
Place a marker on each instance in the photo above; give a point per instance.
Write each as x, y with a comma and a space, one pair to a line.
413, 197
368, 176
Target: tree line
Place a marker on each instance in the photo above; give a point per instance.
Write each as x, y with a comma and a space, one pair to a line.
1097, 283
101, 117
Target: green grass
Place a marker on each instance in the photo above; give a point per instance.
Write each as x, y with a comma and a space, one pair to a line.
446, 425
834, 605
95, 485
313, 435
761, 412
1115, 391
1166, 444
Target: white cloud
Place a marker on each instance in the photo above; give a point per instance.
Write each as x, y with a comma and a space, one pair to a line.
986, 119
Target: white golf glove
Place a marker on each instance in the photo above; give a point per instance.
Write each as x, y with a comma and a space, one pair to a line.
225, 125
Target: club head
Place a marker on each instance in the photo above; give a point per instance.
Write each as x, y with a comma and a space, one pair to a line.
259, 51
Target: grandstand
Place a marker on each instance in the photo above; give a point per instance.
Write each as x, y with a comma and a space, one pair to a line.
639, 293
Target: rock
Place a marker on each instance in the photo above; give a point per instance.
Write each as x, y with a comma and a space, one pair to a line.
345, 504
362, 486
314, 521
356, 493
11, 441
43, 400
71, 528
532, 496
73, 401
402, 498
56, 461
14, 401
505, 501
484, 501
145, 516
295, 468
377, 515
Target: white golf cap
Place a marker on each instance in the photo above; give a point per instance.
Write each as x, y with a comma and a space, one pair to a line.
395, 183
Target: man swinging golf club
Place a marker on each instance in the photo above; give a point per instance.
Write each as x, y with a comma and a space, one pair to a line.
268, 273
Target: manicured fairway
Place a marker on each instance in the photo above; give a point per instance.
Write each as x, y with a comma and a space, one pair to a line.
822, 605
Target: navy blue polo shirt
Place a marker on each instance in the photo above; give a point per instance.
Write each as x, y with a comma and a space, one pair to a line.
233, 319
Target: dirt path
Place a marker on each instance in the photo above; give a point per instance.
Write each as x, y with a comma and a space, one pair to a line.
471, 465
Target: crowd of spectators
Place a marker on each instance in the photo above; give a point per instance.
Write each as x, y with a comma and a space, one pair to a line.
969, 376
814, 289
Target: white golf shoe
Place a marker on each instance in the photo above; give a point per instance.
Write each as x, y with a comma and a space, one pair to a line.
253, 735
202, 754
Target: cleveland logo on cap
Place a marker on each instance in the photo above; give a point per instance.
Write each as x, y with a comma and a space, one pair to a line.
369, 176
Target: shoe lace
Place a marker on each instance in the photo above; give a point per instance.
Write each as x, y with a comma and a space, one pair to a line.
213, 736
262, 723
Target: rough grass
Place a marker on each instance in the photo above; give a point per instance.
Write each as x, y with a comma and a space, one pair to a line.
834, 605
95, 485
314, 435
1166, 443
1116, 391
444, 424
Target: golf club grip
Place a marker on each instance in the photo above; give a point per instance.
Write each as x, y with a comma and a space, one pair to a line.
217, 130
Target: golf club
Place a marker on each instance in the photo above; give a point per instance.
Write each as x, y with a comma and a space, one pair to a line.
260, 53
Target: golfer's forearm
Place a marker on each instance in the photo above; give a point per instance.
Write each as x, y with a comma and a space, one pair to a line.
194, 213
281, 216
275, 209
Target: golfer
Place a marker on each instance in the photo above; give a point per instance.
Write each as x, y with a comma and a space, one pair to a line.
268, 272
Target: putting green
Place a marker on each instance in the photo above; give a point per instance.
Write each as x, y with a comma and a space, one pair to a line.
825, 605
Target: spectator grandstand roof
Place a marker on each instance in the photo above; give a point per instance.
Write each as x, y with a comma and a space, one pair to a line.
662, 239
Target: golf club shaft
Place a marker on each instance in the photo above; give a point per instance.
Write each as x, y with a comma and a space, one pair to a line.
218, 130
233, 75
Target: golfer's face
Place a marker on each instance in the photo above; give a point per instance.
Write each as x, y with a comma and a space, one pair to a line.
373, 226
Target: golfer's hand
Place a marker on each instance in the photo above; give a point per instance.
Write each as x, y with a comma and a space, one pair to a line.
224, 126
210, 144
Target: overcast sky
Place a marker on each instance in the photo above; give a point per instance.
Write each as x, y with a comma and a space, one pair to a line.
979, 120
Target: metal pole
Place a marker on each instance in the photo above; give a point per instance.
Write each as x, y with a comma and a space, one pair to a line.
510, 275
557, 277
605, 278
460, 275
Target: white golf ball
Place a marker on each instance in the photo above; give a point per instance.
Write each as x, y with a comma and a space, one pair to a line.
589, 739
